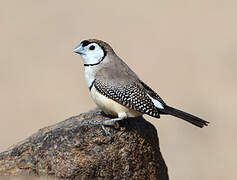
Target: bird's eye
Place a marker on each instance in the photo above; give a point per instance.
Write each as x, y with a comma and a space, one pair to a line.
92, 47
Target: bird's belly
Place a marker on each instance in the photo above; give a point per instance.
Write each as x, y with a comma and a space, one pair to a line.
110, 106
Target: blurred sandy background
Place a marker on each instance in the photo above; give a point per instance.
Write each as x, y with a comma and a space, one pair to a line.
185, 50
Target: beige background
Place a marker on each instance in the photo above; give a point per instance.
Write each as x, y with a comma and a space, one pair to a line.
185, 50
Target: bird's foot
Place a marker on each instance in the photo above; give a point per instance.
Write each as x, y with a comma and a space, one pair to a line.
106, 131
110, 122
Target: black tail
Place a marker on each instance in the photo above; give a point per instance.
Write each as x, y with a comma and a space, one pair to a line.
185, 116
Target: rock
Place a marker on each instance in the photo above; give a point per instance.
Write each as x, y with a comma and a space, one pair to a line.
75, 149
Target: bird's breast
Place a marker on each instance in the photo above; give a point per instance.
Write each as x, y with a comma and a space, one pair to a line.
89, 75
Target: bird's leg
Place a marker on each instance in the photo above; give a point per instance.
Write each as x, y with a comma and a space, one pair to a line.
109, 122
106, 131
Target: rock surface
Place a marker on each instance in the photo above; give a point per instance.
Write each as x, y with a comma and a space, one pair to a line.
74, 149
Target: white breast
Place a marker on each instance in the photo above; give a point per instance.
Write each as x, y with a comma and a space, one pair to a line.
89, 75
110, 106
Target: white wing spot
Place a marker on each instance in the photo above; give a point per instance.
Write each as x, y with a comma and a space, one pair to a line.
156, 103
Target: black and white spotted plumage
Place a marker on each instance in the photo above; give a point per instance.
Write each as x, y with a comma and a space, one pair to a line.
130, 95
152, 93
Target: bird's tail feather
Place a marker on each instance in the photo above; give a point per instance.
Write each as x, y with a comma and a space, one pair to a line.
185, 116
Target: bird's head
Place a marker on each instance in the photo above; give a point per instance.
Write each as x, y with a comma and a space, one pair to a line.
93, 51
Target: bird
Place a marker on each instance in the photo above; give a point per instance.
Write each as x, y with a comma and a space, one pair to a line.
118, 91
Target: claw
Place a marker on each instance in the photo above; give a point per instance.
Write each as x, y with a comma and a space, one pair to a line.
106, 131
103, 127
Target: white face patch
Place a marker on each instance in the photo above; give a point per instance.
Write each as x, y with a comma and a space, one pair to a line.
92, 54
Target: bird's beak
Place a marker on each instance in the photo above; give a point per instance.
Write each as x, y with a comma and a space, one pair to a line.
79, 49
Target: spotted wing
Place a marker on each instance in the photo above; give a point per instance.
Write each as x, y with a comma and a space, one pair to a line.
131, 95
152, 93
